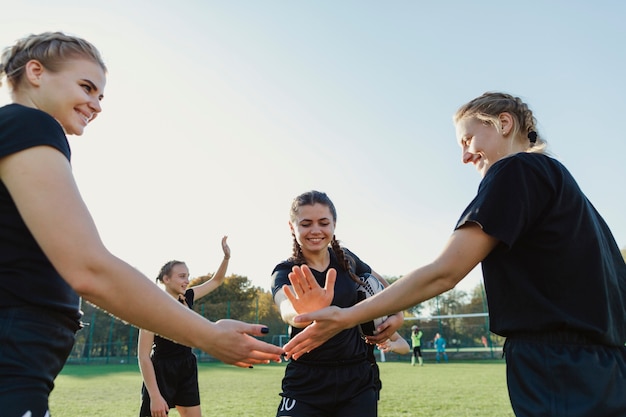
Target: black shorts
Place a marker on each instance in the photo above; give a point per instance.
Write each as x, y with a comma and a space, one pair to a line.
177, 378
34, 345
548, 378
340, 390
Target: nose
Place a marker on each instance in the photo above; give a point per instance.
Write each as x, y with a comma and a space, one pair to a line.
95, 106
466, 156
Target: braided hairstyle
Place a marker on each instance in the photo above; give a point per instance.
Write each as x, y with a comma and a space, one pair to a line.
51, 49
490, 105
310, 198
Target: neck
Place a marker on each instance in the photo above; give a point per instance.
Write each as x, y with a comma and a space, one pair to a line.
318, 260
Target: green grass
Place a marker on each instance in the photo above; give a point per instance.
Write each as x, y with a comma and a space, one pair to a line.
455, 389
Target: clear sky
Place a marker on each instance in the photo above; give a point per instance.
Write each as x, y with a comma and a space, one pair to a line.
218, 113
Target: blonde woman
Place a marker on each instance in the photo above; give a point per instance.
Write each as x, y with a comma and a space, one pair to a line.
50, 251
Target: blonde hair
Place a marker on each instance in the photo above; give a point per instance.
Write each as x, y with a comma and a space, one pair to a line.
490, 105
51, 49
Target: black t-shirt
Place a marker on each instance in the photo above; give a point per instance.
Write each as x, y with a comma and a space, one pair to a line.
557, 266
27, 278
348, 344
165, 348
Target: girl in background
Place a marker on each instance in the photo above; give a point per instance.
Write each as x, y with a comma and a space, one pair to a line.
169, 370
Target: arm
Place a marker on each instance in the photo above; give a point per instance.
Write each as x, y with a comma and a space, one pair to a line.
391, 325
464, 250
218, 278
41, 183
158, 405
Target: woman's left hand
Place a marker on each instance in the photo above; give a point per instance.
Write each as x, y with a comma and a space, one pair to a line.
386, 329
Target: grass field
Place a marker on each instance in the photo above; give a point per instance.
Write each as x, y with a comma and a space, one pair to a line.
455, 389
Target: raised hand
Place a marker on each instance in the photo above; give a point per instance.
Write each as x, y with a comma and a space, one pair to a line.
225, 248
305, 294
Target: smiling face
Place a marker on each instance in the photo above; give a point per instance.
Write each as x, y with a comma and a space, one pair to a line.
313, 227
177, 281
71, 95
482, 143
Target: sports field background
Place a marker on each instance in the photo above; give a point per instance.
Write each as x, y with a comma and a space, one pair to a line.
454, 389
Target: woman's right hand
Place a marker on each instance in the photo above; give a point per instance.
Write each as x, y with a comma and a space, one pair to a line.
305, 294
158, 406
232, 342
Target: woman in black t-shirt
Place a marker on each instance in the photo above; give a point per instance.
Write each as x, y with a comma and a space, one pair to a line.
50, 250
337, 379
169, 370
554, 276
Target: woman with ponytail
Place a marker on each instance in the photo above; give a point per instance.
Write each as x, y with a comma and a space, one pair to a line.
554, 276
169, 370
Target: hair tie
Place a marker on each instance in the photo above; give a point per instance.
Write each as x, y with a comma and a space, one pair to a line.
532, 136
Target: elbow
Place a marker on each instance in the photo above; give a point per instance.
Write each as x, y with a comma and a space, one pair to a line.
85, 276
447, 284
445, 277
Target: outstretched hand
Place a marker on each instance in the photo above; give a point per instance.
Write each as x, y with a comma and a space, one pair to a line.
326, 323
305, 293
234, 344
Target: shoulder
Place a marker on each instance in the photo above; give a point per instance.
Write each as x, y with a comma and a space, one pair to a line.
283, 266
524, 162
26, 117
280, 275
23, 127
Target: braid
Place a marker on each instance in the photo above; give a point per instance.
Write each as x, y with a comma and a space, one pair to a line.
310, 198
297, 257
346, 261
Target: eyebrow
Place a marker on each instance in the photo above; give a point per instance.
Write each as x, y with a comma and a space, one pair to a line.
92, 85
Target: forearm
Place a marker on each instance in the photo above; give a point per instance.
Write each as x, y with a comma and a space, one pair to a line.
220, 274
288, 313
413, 288
149, 376
114, 286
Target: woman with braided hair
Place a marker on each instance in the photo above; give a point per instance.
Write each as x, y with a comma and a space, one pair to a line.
554, 276
337, 379
50, 251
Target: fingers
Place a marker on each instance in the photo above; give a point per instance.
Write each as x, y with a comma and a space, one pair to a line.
331, 277
381, 336
298, 346
302, 279
298, 281
309, 279
290, 295
225, 247
237, 346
